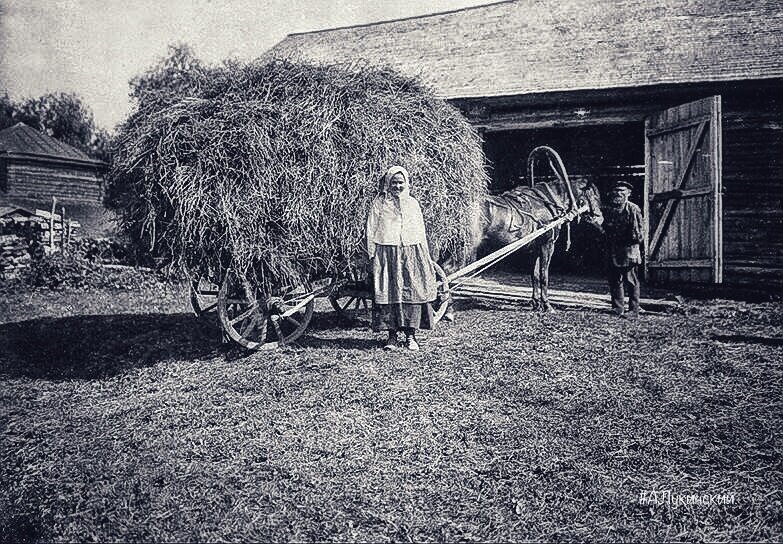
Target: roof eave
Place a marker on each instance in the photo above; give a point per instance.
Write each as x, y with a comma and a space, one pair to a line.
652, 85
52, 159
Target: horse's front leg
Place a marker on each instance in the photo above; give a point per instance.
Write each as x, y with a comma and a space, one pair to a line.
547, 250
536, 282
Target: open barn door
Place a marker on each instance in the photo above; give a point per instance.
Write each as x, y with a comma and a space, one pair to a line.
683, 208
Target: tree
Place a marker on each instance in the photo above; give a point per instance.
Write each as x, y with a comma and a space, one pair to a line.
62, 116
101, 145
174, 76
7, 110
171, 78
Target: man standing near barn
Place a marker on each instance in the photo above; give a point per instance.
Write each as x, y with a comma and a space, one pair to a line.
623, 228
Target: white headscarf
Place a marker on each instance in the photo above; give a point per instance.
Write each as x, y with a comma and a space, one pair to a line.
395, 221
389, 175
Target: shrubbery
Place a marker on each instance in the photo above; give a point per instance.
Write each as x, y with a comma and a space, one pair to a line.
59, 270
83, 265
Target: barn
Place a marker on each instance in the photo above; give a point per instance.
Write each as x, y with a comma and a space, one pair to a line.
34, 168
684, 97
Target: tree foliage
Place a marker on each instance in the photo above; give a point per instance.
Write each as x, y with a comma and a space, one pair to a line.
7, 109
177, 74
62, 116
180, 73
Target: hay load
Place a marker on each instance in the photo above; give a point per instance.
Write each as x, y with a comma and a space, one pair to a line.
271, 168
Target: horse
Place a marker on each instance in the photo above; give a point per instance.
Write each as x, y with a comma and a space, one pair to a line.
505, 218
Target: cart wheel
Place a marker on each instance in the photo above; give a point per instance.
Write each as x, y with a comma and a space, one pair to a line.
441, 303
203, 297
255, 321
351, 307
352, 301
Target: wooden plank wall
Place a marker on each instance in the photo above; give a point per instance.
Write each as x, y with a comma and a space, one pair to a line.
3, 177
753, 189
44, 180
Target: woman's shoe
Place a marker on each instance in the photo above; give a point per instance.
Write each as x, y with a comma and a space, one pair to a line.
413, 345
391, 343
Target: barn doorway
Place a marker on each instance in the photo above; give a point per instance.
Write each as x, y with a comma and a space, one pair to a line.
600, 153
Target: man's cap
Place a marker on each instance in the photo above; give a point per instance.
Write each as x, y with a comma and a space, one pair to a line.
621, 183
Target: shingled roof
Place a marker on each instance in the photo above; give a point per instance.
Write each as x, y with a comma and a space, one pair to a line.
533, 46
24, 141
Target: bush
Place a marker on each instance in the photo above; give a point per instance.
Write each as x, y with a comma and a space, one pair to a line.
104, 250
58, 270
74, 270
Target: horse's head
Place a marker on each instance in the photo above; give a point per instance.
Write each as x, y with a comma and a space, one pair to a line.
587, 194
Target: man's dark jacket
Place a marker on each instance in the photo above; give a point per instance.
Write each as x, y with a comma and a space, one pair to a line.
623, 228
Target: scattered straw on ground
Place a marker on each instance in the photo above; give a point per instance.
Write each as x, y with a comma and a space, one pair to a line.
124, 419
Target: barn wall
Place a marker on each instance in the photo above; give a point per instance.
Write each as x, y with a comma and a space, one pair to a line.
3, 177
753, 189
69, 183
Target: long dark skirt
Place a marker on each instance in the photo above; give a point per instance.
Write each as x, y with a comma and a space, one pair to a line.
402, 316
404, 285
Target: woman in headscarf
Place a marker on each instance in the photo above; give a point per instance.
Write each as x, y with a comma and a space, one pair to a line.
403, 277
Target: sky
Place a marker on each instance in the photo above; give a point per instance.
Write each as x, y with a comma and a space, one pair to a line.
94, 47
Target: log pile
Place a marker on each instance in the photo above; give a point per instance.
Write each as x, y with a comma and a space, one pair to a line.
24, 236
14, 255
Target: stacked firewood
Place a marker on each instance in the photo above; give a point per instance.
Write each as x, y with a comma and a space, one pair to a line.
22, 237
14, 255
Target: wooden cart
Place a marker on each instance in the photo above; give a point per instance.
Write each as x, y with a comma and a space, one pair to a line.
258, 320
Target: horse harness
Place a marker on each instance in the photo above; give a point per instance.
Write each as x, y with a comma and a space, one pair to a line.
521, 199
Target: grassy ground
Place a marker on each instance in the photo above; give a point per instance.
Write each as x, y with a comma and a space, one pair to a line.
124, 419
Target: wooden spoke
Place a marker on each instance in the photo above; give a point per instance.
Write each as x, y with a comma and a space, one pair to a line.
244, 314
264, 327
294, 300
203, 299
249, 325
348, 303
441, 304
276, 325
350, 308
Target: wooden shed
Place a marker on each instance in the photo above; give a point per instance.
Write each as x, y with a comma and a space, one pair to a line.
683, 97
35, 167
